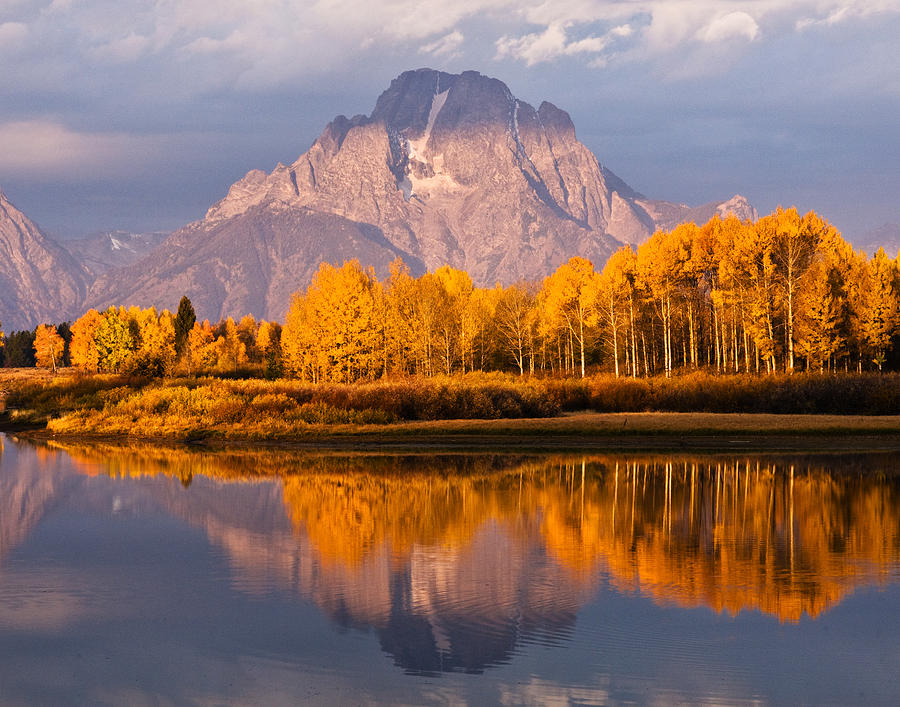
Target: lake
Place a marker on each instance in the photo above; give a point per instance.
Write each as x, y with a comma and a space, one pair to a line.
146, 575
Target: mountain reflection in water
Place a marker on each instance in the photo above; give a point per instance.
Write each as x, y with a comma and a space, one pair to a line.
454, 561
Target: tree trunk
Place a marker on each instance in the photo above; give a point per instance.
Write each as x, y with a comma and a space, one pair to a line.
634, 353
581, 343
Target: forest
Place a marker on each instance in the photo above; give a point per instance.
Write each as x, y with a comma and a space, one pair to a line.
782, 294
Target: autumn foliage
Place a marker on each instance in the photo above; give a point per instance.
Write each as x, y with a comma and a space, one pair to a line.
781, 294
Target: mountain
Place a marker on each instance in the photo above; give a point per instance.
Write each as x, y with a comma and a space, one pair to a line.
101, 252
667, 215
886, 236
448, 169
39, 280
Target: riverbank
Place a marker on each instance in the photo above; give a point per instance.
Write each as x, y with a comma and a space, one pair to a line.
570, 431
475, 411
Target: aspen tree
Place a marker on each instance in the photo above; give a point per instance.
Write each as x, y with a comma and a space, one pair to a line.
48, 347
568, 297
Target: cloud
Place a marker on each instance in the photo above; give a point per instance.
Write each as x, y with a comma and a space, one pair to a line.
446, 46
42, 148
123, 50
839, 11
734, 25
553, 43
263, 44
405, 19
13, 36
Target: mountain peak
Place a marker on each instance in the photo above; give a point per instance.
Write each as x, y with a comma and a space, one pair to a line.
447, 169
739, 206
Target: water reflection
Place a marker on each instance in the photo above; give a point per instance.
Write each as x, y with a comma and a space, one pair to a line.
456, 561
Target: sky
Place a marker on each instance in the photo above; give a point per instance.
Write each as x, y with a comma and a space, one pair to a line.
139, 114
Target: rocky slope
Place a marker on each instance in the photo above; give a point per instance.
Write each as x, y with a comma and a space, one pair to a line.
448, 169
39, 280
101, 252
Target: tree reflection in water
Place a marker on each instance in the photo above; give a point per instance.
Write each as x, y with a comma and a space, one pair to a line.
454, 560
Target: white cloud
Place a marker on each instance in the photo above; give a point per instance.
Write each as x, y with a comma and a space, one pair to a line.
536, 47
260, 44
446, 46
122, 50
664, 27
553, 43
837, 12
734, 25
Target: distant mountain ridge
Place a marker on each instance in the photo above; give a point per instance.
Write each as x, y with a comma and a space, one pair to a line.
40, 281
886, 236
448, 169
43, 280
105, 251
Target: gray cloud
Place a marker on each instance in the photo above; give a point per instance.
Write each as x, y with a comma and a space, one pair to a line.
686, 98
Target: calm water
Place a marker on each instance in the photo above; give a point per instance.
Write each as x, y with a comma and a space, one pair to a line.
132, 576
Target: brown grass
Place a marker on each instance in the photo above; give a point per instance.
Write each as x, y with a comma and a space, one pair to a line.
475, 405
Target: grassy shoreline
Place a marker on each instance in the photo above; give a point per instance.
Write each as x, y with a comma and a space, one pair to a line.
573, 431
471, 411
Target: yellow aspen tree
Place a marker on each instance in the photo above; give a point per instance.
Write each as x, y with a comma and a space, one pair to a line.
268, 342
817, 317
481, 314
429, 306
299, 340
48, 347
794, 244
200, 349
351, 308
115, 340
398, 319
754, 266
569, 296
164, 338
881, 310
247, 332
615, 302
331, 332
730, 279
660, 265
268, 336
231, 351
457, 328
515, 322
83, 348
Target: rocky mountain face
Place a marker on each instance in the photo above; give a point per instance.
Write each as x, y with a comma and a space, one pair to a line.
101, 252
448, 169
39, 280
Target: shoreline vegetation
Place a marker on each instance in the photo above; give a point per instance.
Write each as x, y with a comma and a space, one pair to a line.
774, 329
473, 411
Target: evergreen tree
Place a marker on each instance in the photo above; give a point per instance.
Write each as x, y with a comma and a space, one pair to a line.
20, 350
65, 331
184, 322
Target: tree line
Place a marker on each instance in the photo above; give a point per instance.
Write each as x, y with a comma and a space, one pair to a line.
783, 293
